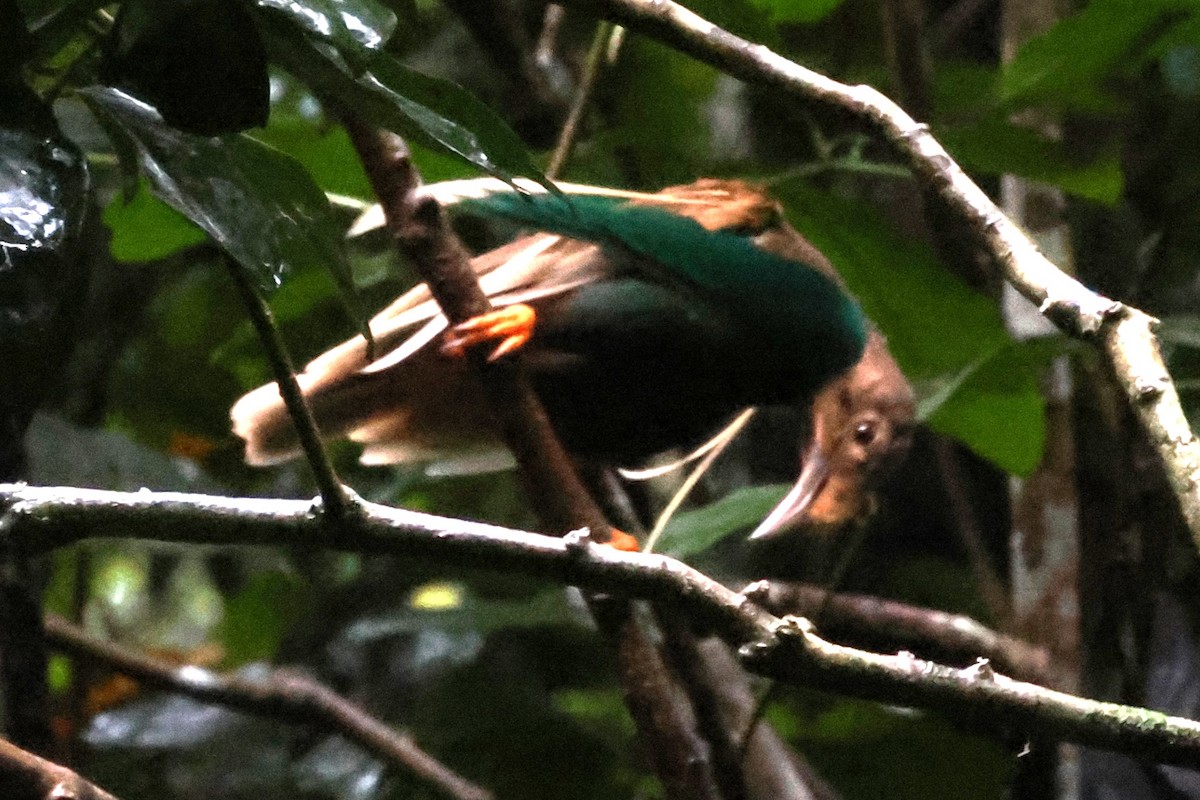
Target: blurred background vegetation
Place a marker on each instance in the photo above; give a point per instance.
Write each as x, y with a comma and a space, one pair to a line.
1029, 500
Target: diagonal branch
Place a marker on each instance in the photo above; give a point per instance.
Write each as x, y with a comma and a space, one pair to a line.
663, 716
787, 649
422, 232
333, 496
1125, 334
284, 695
24, 776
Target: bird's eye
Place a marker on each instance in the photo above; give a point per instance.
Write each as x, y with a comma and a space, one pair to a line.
864, 433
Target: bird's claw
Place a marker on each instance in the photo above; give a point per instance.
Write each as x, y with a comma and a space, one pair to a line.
620, 540
510, 327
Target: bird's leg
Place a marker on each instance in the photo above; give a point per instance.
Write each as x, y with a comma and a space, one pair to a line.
509, 327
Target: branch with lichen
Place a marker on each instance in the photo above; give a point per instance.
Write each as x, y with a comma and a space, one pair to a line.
36, 519
1122, 332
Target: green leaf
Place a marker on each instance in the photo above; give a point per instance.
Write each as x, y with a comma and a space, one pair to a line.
147, 229
797, 11
258, 204
660, 109
691, 532
999, 147
963, 90
995, 405
1066, 66
451, 116
935, 324
354, 27
327, 154
258, 617
429, 110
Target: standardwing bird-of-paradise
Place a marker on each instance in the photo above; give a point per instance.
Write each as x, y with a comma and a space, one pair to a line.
646, 322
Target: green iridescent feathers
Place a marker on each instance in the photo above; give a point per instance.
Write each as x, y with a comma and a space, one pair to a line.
792, 305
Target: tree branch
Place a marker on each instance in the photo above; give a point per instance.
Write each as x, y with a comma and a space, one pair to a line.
905, 625
422, 232
664, 720
24, 776
284, 695
787, 649
1124, 333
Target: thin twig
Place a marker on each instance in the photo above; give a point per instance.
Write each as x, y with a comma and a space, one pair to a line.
583, 95
1125, 333
38, 519
333, 496
284, 695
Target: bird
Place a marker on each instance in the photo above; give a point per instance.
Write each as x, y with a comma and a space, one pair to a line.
647, 322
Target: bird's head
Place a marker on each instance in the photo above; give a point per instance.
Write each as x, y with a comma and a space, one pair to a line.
862, 425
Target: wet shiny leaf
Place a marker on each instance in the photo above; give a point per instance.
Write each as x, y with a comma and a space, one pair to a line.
258, 204
355, 27
429, 110
43, 202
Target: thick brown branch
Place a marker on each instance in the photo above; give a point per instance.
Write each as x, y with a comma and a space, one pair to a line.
285, 696
1125, 334
664, 721
787, 649
24, 776
423, 233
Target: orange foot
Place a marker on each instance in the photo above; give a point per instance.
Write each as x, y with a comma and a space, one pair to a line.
623, 541
511, 325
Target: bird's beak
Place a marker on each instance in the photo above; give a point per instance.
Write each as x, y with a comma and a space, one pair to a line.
792, 508
862, 426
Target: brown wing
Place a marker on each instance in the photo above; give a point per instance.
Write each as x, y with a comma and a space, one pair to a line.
412, 403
